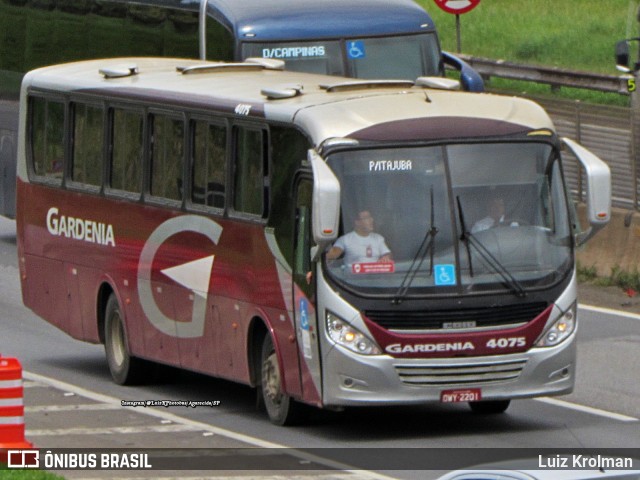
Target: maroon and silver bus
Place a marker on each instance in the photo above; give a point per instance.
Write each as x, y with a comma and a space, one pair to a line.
182, 212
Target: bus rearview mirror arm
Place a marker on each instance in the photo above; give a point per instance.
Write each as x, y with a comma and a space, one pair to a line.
470, 80
623, 56
325, 203
598, 190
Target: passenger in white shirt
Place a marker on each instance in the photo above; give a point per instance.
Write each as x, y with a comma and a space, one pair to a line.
362, 245
495, 218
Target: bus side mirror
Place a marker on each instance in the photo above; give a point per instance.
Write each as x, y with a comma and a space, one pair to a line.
470, 80
598, 190
622, 56
325, 202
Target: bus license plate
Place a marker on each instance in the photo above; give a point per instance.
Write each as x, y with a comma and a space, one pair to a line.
454, 396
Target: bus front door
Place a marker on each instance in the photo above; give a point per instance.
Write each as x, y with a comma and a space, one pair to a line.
304, 292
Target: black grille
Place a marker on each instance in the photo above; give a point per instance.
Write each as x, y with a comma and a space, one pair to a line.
436, 319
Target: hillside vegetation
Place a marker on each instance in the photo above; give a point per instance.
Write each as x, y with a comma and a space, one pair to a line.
574, 34
571, 34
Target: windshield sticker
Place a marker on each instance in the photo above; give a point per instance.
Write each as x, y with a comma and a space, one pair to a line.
294, 52
355, 49
306, 328
445, 275
390, 165
304, 314
373, 267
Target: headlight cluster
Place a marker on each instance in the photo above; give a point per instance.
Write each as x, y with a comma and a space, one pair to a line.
344, 334
561, 329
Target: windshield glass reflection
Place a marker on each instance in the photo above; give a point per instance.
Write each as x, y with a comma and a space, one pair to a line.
407, 57
432, 220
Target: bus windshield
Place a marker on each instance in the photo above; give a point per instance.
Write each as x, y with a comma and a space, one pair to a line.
464, 218
401, 57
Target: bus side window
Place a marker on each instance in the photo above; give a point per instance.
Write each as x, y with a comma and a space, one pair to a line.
167, 152
209, 164
88, 135
46, 128
127, 143
248, 182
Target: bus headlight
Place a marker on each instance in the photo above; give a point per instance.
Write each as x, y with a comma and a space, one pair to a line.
561, 329
344, 334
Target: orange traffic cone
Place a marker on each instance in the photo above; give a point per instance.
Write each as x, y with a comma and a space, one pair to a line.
11, 407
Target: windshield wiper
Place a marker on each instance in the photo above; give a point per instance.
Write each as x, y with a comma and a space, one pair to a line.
470, 240
425, 247
465, 235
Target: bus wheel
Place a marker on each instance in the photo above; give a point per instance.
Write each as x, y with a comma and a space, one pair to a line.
490, 406
281, 408
125, 369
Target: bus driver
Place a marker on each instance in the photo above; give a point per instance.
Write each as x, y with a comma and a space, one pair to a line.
362, 245
496, 217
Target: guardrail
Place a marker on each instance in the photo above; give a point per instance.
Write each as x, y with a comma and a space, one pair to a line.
555, 77
611, 132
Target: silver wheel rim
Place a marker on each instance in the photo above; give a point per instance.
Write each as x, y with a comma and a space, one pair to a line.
271, 379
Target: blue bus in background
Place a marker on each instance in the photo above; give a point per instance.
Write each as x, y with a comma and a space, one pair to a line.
354, 38
357, 38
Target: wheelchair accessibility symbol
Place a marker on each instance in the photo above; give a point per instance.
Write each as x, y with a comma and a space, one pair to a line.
445, 275
355, 49
304, 314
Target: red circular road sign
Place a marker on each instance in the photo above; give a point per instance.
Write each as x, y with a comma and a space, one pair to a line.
457, 6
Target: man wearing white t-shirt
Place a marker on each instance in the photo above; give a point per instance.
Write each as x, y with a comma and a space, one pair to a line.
496, 217
362, 245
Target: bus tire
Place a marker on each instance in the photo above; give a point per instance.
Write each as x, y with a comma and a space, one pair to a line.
489, 407
125, 369
281, 408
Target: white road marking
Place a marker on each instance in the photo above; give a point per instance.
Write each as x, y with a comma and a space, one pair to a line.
110, 430
28, 384
71, 408
191, 425
609, 311
585, 409
163, 415
333, 476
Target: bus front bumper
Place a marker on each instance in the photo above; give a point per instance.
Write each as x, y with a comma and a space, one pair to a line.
358, 380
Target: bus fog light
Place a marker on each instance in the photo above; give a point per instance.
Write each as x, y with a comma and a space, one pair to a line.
560, 330
349, 337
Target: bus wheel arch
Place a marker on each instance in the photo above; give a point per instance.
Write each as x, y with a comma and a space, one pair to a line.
266, 375
105, 291
281, 408
255, 337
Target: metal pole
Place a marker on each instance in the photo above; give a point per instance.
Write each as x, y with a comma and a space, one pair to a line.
632, 87
202, 29
458, 32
